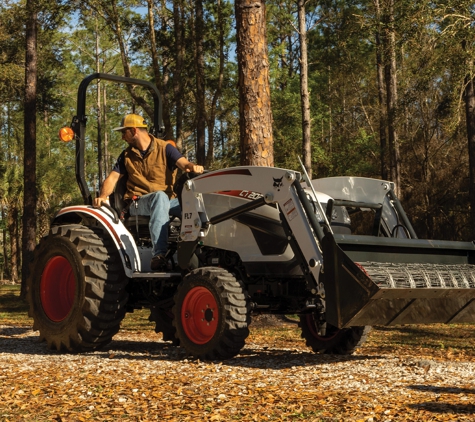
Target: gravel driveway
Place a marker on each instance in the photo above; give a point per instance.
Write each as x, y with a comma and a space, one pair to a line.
140, 378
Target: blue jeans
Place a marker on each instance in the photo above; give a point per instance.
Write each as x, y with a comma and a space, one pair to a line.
159, 208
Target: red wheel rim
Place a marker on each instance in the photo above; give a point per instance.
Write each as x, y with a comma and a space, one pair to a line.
57, 288
312, 326
199, 315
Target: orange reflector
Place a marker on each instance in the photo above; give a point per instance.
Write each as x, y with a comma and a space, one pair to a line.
66, 134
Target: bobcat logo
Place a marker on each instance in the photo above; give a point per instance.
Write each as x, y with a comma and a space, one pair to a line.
278, 183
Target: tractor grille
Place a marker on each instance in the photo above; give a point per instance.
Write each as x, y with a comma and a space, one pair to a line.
422, 276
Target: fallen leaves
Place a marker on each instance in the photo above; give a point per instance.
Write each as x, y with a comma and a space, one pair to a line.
275, 378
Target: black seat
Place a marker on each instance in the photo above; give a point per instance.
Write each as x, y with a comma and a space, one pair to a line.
120, 205
117, 201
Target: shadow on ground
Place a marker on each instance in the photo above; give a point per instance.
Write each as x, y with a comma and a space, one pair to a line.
251, 357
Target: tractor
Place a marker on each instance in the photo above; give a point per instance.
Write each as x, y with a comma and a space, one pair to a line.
339, 253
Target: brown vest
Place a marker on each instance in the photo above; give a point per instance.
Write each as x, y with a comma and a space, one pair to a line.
150, 173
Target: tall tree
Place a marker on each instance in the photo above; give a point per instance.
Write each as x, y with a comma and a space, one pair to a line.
469, 95
220, 7
12, 76
381, 91
114, 14
458, 17
179, 55
200, 84
255, 115
391, 93
160, 63
469, 98
304, 95
29, 160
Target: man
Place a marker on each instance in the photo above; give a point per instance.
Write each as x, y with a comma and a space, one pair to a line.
150, 165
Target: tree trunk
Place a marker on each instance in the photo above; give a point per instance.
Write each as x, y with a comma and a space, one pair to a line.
6, 259
114, 22
12, 221
160, 74
29, 159
255, 115
200, 85
381, 93
391, 98
177, 74
330, 115
211, 121
304, 95
469, 97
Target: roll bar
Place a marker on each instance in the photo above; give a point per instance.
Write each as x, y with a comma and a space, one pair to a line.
79, 121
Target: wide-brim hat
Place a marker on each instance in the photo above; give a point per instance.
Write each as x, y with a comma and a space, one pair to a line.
132, 120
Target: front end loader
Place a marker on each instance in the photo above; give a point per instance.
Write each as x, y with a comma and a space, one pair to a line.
376, 272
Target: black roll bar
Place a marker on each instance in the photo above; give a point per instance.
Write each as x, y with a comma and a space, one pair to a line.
79, 121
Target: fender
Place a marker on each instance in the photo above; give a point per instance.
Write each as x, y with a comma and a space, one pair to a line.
121, 237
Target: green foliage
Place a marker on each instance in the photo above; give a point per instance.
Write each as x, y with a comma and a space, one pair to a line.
435, 51
11, 52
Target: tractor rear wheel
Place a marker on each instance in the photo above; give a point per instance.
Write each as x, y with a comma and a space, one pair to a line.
326, 338
76, 289
211, 314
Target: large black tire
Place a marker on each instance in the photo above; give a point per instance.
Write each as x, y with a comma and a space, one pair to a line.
164, 324
327, 338
211, 314
76, 289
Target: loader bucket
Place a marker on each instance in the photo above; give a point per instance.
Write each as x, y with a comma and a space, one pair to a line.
389, 281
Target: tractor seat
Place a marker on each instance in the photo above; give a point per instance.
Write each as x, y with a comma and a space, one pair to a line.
116, 200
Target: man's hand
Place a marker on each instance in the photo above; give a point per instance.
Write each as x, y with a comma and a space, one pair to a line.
188, 167
196, 168
107, 189
97, 202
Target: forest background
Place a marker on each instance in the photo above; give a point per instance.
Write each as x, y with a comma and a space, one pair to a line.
389, 90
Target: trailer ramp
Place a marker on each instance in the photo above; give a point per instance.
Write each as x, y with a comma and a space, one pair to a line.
381, 281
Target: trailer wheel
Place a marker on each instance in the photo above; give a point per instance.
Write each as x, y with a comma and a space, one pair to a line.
330, 339
76, 289
211, 314
164, 324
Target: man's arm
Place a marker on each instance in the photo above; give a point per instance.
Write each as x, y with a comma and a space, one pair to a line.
107, 188
185, 165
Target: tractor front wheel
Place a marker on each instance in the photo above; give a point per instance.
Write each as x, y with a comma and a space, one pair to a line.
211, 314
76, 288
326, 338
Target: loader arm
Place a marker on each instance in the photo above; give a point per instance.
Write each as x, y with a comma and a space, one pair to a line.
278, 187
